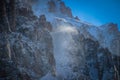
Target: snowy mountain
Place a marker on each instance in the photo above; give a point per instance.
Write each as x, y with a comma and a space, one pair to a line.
108, 31
42, 40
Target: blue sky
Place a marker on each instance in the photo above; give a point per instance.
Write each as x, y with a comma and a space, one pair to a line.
97, 12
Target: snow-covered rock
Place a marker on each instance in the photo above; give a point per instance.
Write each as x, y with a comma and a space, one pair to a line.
26, 53
50, 44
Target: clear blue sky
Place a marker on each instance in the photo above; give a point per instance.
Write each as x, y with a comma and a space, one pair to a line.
97, 12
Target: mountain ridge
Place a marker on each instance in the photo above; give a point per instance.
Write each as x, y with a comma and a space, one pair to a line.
50, 44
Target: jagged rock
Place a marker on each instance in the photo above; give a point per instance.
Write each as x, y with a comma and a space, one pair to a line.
24, 4
98, 62
77, 18
27, 53
51, 6
33, 60
113, 40
65, 10
24, 12
4, 21
8, 15
42, 19
47, 25
11, 12
111, 28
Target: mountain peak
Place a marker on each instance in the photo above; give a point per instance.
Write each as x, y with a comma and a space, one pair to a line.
57, 7
110, 27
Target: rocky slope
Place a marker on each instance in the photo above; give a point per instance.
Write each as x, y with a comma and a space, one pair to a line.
27, 52
46, 42
80, 56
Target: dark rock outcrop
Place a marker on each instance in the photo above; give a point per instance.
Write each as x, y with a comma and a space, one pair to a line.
5, 25
110, 37
26, 53
47, 25
77, 18
98, 63
51, 6
65, 10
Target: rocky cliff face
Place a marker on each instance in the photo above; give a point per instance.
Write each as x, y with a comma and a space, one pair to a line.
79, 56
63, 9
26, 53
45, 42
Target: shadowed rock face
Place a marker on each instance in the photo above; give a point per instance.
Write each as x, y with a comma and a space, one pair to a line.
30, 58
113, 37
77, 18
92, 62
65, 10
99, 61
47, 25
27, 53
51, 6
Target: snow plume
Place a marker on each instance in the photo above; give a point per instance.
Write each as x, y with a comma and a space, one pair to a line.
66, 29
63, 34
63, 43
